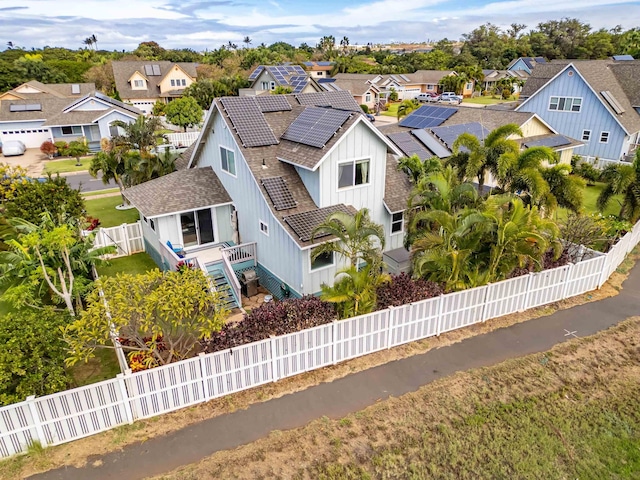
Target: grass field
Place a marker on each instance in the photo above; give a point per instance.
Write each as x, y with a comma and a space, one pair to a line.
103, 366
105, 210
591, 194
134, 264
573, 412
100, 192
65, 166
489, 100
392, 111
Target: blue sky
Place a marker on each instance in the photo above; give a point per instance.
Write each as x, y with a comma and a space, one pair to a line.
203, 24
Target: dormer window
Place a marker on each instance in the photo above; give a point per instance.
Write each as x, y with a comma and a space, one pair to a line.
139, 84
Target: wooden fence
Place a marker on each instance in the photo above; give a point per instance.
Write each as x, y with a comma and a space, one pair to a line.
73, 414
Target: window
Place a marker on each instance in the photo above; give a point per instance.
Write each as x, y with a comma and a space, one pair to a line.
367, 98
153, 225
586, 135
396, 222
320, 73
353, 173
565, 104
604, 137
264, 228
322, 261
71, 130
469, 86
183, 82
173, 82
138, 83
431, 87
265, 85
228, 160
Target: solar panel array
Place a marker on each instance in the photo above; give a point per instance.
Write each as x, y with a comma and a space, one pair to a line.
298, 82
551, 142
304, 223
152, 70
409, 146
33, 107
256, 73
315, 126
272, 103
280, 72
432, 143
342, 100
450, 133
247, 119
427, 117
279, 193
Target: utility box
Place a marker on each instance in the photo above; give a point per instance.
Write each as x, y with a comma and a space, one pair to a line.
249, 283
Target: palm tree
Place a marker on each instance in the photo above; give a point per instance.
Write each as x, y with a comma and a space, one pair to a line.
415, 168
344, 43
247, 41
140, 135
521, 173
567, 189
482, 155
88, 41
358, 238
354, 291
622, 180
112, 162
94, 41
406, 107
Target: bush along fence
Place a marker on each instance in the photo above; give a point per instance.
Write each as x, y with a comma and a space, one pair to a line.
73, 414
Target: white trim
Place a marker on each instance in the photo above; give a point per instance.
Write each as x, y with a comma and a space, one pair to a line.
72, 107
389, 210
354, 161
325, 267
571, 110
261, 224
129, 114
184, 211
206, 127
71, 127
608, 136
391, 232
235, 166
588, 135
538, 117
24, 121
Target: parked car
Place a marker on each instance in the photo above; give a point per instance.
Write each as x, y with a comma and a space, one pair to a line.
428, 97
450, 97
13, 147
370, 117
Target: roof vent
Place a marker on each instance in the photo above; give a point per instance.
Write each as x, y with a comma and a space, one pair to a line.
75, 89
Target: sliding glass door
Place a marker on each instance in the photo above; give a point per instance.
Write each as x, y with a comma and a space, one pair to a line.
197, 227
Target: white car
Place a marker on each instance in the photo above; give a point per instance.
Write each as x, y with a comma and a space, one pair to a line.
13, 147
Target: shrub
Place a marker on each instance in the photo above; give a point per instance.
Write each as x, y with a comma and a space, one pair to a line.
92, 223
48, 148
274, 318
62, 147
587, 171
365, 108
403, 289
549, 261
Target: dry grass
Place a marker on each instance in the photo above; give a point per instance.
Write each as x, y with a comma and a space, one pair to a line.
572, 412
77, 452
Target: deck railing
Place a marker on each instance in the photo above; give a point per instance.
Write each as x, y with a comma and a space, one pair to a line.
241, 253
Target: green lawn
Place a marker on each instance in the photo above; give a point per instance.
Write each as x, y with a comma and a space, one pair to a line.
100, 192
105, 210
104, 366
392, 111
135, 264
68, 165
486, 100
590, 196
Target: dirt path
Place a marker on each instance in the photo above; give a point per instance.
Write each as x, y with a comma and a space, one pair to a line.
355, 392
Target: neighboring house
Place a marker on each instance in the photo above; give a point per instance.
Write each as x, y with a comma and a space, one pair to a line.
526, 64
47, 117
319, 70
286, 163
431, 130
265, 78
493, 77
34, 90
142, 83
364, 92
595, 101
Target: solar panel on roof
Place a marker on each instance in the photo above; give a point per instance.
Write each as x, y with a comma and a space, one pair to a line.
325, 64
304, 223
427, 116
551, 142
156, 70
409, 145
256, 73
395, 79
248, 121
298, 82
405, 78
279, 193
272, 103
450, 133
342, 100
148, 70
315, 126
433, 144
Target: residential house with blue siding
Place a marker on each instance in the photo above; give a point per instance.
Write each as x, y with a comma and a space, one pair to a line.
525, 64
286, 162
594, 101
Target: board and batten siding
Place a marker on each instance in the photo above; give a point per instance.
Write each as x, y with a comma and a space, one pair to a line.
91, 106
311, 182
277, 252
106, 121
593, 116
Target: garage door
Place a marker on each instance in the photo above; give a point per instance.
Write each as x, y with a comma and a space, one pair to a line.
410, 93
31, 137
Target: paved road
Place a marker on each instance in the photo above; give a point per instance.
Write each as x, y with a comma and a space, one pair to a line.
355, 392
87, 183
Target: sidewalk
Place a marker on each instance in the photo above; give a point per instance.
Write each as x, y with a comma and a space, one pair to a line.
355, 392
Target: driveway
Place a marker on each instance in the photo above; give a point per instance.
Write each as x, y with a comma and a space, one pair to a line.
32, 161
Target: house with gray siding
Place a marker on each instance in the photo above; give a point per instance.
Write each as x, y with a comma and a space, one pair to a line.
594, 101
525, 64
286, 162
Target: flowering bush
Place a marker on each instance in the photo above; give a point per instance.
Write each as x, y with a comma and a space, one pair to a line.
48, 148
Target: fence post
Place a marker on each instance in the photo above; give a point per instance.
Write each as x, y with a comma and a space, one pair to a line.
391, 316
274, 360
605, 269
37, 423
203, 373
484, 302
334, 346
525, 300
440, 312
125, 396
565, 287
125, 238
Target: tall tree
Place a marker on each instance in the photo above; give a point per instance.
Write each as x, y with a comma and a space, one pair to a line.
622, 180
184, 112
140, 135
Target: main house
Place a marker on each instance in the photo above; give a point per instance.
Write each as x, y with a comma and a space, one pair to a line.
594, 101
35, 112
264, 173
142, 83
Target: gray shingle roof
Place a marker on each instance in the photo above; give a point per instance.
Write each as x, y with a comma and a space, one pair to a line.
397, 187
188, 189
122, 72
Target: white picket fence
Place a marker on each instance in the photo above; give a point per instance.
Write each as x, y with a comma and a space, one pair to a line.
73, 414
126, 237
182, 139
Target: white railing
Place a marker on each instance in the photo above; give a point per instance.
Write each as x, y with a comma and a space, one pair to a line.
241, 253
233, 279
182, 139
603, 162
126, 237
73, 414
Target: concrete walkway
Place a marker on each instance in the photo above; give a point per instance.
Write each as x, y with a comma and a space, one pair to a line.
357, 391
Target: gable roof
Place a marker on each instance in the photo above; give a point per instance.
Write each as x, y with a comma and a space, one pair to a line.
530, 62
601, 76
179, 191
71, 116
123, 70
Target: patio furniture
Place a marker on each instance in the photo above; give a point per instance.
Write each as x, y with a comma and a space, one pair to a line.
177, 249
